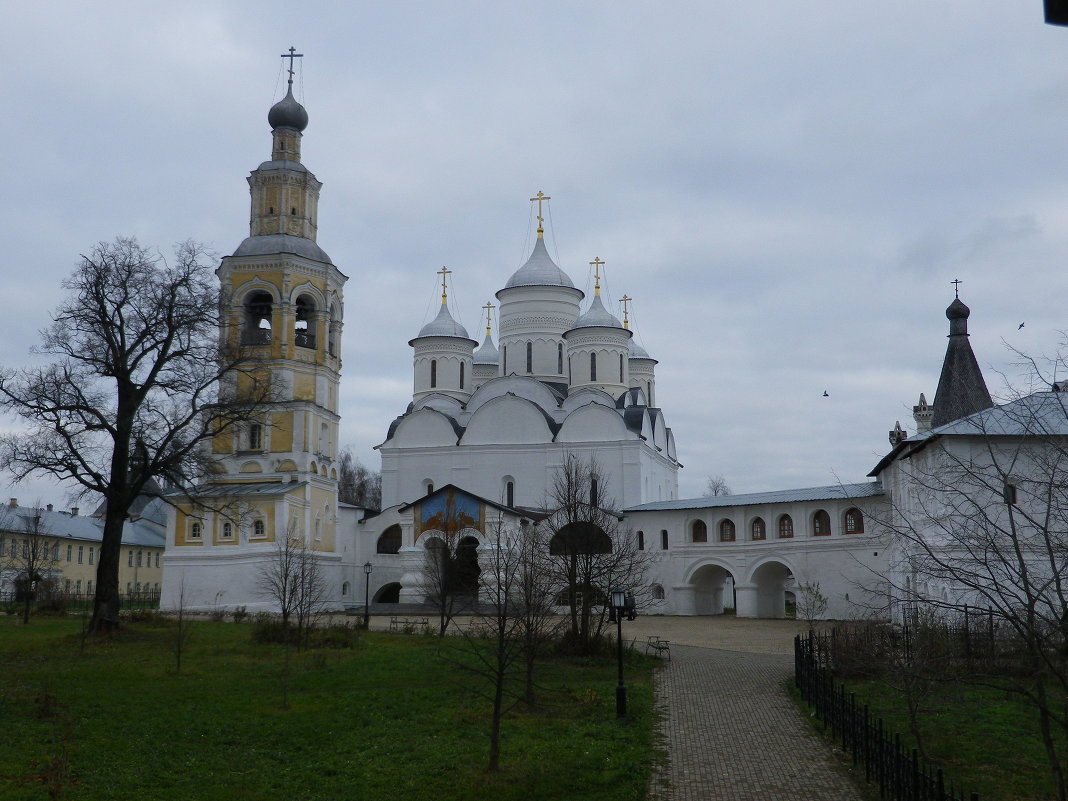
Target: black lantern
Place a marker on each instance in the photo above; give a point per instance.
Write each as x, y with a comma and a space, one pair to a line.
367, 568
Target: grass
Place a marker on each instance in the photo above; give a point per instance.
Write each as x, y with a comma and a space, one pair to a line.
389, 719
983, 738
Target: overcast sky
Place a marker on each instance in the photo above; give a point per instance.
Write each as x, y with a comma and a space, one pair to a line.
785, 188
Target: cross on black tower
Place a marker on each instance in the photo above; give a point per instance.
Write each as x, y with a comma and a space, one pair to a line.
292, 54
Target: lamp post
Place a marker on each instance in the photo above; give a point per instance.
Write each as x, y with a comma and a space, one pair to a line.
367, 568
619, 601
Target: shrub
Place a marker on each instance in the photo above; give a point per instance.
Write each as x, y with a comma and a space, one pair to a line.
239, 614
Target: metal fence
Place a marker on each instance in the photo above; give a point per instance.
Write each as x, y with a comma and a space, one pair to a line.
12, 601
900, 774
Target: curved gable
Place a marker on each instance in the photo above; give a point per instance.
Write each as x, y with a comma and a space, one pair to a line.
424, 427
593, 423
528, 388
586, 396
507, 420
442, 403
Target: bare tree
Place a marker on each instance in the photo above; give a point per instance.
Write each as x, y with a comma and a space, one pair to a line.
980, 519
717, 485
32, 558
535, 585
451, 571
141, 377
357, 484
811, 602
294, 581
182, 628
592, 551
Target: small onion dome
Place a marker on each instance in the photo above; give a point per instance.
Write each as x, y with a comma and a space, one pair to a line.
637, 351
540, 270
288, 113
957, 310
443, 326
597, 316
488, 353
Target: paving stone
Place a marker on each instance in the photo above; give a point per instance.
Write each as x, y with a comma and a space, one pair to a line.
732, 734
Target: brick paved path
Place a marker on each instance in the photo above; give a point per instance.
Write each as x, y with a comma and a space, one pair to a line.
732, 734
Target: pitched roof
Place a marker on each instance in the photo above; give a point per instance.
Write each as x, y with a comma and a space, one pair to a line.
961, 387
867, 489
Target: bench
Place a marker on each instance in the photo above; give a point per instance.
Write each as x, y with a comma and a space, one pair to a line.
657, 646
408, 624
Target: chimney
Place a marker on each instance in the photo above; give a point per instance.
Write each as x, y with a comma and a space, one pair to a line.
74, 511
49, 507
13, 503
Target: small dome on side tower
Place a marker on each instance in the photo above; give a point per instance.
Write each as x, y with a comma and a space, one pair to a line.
443, 358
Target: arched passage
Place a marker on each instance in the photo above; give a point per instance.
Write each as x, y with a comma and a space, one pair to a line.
388, 594
764, 595
713, 590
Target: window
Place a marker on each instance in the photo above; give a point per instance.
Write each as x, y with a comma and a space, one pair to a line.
462, 365
726, 531
663, 539
345, 588
259, 530
389, 541
129, 587
194, 531
89, 586
2, 546
70, 551
593, 491
560, 358
139, 558
255, 437
757, 530
509, 494
66, 586
228, 531
55, 551
129, 558
504, 359
593, 367
433, 373
157, 558
699, 531
641, 540
137, 587
621, 368
854, 522
821, 524
81, 553
786, 527
91, 555
78, 586
530, 357
657, 591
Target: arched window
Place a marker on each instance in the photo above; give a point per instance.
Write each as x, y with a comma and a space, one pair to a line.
504, 359
428, 485
786, 527
228, 531
560, 358
194, 532
621, 368
345, 588
258, 311
390, 540
641, 540
462, 365
304, 330
657, 592
663, 539
757, 529
259, 530
255, 437
530, 357
854, 521
699, 531
433, 373
726, 531
821, 524
509, 493
594, 496
593, 367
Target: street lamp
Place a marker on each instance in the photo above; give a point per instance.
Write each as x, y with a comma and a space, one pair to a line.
622, 604
367, 568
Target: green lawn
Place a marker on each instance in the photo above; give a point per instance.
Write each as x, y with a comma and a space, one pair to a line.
388, 720
986, 739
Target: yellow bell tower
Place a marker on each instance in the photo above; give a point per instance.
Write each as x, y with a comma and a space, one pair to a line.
275, 476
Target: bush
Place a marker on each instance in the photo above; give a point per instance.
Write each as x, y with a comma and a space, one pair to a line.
267, 628
239, 614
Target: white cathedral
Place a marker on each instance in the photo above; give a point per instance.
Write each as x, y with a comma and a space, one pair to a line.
488, 428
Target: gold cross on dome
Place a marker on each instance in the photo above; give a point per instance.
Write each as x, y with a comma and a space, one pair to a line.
541, 197
625, 300
444, 272
597, 265
292, 54
489, 307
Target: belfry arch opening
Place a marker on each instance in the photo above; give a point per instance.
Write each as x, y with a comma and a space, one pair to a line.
256, 329
304, 325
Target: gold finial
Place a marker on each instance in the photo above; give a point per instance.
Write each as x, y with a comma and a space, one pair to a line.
443, 272
626, 321
489, 307
540, 197
597, 264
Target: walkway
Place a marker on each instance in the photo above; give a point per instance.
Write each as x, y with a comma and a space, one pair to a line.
731, 732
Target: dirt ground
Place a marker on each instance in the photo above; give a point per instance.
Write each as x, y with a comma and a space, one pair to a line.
724, 632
